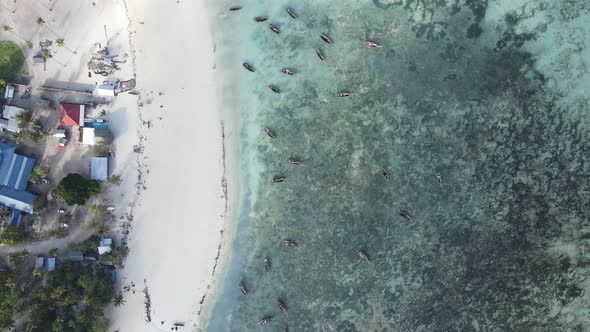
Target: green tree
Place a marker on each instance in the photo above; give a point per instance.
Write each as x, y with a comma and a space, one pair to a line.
24, 119
11, 60
59, 42
118, 300
75, 189
36, 272
53, 252
18, 257
6, 28
37, 174
100, 324
10, 235
40, 21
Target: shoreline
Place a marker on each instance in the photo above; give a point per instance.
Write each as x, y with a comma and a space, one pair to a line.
190, 232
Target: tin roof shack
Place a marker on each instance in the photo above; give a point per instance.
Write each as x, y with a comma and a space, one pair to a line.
104, 245
39, 262
99, 168
106, 90
50, 263
8, 121
71, 115
9, 92
14, 175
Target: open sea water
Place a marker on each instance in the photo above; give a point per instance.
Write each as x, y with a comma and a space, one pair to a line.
477, 110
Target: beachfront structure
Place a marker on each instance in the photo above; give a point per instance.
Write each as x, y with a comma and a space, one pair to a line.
104, 246
71, 115
9, 92
73, 256
50, 263
91, 135
61, 133
88, 136
99, 168
106, 90
14, 175
39, 262
8, 121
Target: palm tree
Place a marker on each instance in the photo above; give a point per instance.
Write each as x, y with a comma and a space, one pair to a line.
8, 28
59, 42
36, 272
24, 119
40, 21
118, 300
53, 252
20, 136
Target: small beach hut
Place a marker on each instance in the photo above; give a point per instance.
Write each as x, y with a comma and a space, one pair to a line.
71, 115
50, 263
106, 90
88, 136
99, 168
9, 92
39, 262
104, 246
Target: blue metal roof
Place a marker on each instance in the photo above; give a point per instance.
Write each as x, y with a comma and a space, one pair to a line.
14, 168
14, 218
19, 200
50, 263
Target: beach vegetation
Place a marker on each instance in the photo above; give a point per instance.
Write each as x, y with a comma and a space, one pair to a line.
115, 179
24, 119
74, 189
18, 257
40, 21
53, 252
45, 51
38, 173
10, 235
12, 60
118, 300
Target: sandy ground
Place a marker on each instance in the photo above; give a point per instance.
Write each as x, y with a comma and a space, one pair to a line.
178, 216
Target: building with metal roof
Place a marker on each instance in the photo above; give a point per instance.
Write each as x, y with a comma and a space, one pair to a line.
39, 262
50, 263
14, 176
71, 115
8, 121
99, 168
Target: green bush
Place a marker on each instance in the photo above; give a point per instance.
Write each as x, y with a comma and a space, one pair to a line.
76, 190
37, 174
10, 236
11, 60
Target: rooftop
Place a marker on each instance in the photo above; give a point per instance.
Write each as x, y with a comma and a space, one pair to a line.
71, 115
99, 168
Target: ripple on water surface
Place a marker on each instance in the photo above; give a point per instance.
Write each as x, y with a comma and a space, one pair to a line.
491, 171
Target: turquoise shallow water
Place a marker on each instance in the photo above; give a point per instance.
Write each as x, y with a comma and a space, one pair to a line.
492, 95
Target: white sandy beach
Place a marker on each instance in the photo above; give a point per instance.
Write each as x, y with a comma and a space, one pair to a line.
179, 214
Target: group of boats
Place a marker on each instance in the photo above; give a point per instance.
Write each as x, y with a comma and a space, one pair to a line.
287, 243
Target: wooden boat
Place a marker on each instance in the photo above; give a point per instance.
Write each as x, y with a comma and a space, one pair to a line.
320, 54
274, 89
266, 264
260, 19
265, 320
385, 174
291, 13
273, 29
325, 39
290, 244
233, 9
248, 67
287, 71
269, 133
343, 94
281, 305
438, 177
295, 162
278, 179
405, 215
372, 44
362, 255
243, 288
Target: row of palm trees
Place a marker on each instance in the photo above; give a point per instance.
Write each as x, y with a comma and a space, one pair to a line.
59, 42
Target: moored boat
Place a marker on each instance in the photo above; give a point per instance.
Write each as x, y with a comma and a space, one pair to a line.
260, 19
385, 174
269, 133
233, 9
362, 255
278, 179
405, 215
438, 178
295, 162
291, 13
266, 264
265, 320
274, 89
243, 288
290, 244
343, 94
319, 54
274, 29
372, 44
287, 71
248, 66
281, 305
325, 39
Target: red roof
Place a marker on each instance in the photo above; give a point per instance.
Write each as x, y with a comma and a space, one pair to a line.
69, 114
